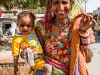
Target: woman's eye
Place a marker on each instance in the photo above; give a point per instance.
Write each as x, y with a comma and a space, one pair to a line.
56, 2
64, 2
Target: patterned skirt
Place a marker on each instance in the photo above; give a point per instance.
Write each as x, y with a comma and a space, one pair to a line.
57, 68
55, 71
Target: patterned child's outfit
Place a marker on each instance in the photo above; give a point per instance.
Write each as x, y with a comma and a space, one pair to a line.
32, 41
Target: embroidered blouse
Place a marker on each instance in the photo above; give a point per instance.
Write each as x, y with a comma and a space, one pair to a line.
59, 48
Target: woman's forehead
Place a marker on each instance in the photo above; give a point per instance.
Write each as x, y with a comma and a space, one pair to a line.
59, 0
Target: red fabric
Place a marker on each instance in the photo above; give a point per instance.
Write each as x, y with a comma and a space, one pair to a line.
47, 17
0, 13
86, 37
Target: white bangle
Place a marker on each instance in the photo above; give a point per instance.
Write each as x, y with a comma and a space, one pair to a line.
85, 41
84, 35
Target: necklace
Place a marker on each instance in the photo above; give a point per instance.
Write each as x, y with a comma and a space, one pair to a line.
61, 24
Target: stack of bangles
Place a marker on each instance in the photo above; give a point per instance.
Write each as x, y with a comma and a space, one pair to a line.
85, 40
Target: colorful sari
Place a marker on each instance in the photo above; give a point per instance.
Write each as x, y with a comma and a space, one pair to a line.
77, 60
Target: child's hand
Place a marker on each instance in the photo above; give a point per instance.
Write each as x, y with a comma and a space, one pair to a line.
23, 45
16, 70
33, 47
22, 53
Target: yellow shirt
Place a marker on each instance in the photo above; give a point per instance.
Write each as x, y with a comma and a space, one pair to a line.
31, 40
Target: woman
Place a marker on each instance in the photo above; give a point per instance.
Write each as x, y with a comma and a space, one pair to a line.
67, 42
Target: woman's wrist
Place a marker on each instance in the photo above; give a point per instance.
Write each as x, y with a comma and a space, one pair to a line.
84, 34
82, 31
85, 40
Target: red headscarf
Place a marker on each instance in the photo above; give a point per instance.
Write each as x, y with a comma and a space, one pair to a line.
47, 17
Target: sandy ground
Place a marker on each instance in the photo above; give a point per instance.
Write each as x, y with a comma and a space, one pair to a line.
93, 66
5, 57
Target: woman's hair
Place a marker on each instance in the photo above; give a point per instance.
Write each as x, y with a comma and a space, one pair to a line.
51, 1
26, 13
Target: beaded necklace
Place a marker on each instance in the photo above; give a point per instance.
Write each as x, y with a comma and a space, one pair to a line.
61, 24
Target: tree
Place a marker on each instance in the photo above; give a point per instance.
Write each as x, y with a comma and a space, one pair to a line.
36, 6
6, 3
23, 4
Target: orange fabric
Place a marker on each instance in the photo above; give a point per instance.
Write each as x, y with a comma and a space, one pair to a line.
75, 49
82, 64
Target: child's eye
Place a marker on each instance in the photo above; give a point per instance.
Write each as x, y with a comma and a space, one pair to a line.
26, 25
56, 2
22, 25
29, 26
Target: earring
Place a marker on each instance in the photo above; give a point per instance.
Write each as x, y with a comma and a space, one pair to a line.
69, 15
52, 14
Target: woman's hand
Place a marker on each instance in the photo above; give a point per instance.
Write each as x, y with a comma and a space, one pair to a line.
86, 22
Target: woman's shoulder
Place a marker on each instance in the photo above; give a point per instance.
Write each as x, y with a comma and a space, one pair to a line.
39, 25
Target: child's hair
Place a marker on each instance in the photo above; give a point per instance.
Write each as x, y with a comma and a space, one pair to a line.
25, 13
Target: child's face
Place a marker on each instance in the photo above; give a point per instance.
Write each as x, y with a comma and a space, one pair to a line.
25, 24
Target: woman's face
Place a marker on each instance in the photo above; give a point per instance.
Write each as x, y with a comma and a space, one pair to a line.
61, 8
25, 24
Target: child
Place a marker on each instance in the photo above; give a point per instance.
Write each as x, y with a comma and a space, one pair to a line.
28, 42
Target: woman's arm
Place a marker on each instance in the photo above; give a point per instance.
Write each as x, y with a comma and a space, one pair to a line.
40, 37
86, 35
86, 45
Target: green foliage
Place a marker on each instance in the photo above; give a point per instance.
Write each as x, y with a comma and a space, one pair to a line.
24, 4
6, 3
42, 3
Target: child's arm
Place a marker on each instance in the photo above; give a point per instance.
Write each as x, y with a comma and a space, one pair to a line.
16, 70
15, 53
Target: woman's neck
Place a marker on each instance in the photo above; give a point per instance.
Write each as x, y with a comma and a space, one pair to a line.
61, 20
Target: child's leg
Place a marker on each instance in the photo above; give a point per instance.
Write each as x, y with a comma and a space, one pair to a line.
47, 69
